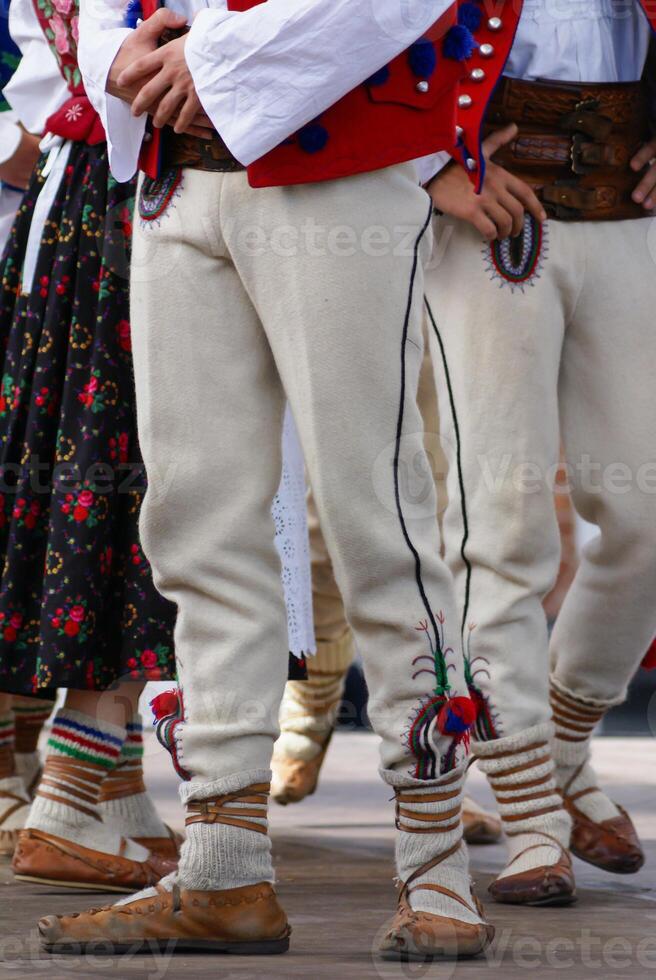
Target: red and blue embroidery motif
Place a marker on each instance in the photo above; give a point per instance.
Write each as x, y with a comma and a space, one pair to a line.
441, 713
168, 712
517, 262
157, 195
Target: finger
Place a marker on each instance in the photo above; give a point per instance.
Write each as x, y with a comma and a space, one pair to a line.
526, 195
646, 186
203, 120
644, 155
203, 134
150, 95
485, 226
501, 218
150, 64
515, 209
168, 108
496, 140
160, 21
188, 113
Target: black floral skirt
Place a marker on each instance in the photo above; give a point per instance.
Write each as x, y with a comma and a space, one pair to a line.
78, 607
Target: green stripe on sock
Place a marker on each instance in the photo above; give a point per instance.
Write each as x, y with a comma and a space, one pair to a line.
133, 751
7, 722
79, 754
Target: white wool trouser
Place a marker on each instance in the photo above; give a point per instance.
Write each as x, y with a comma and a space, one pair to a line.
240, 297
550, 336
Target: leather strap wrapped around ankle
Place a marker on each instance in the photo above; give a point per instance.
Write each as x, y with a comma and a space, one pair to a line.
80, 781
252, 800
436, 823
122, 782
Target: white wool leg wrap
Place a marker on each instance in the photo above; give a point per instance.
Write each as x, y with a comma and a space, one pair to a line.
10, 787
575, 720
441, 812
309, 708
59, 808
132, 812
216, 856
520, 770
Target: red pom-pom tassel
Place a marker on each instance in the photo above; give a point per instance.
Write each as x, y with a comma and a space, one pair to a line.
457, 716
166, 705
649, 662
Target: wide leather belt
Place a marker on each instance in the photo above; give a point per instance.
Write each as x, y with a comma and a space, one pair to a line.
180, 150
575, 144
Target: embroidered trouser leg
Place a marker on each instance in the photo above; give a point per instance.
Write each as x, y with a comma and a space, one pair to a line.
558, 332
239, 296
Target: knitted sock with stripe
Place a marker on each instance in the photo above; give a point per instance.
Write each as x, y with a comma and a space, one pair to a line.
81, 752
227, 843
520, 770
31, 714
309, 708
575, 721
429, 825
14, 801
124, 801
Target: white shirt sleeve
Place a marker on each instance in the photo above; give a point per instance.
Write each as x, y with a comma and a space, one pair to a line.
264, 73
10, 137
430, 166
36, 88
102, 32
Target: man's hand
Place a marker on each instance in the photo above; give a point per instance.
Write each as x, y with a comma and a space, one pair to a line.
645, 191
18, 169
166, 87
498, 211
142, 41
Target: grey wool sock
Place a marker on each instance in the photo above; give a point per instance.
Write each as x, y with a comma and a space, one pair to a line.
81, 751
520, 770
124, 801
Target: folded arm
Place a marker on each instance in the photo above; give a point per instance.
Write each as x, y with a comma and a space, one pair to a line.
262, 74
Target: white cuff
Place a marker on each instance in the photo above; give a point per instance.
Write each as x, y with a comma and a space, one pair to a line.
10, 137
430, 166
124, 132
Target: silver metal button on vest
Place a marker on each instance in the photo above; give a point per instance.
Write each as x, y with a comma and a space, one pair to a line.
477, 75
471, 164
486, 50
495, 23
465, 101
459, 133
423, 86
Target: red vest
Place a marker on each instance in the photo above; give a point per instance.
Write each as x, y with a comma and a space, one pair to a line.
432, 97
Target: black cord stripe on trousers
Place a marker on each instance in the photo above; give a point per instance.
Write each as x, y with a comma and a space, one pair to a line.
461, 479
399, 436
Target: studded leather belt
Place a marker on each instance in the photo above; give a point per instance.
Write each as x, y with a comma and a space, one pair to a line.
180, 150
575, 144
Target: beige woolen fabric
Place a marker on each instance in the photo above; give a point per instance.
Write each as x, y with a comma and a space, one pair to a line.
579, 332
326, 315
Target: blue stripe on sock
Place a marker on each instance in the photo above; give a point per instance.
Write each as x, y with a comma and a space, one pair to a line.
87, 730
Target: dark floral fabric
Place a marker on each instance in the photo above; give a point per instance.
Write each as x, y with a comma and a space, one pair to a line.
77, 604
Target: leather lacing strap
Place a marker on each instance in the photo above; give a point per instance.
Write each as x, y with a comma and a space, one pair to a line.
517, 790
573, 797
17, 805
82, 780
252, 807
436, 823
549, 842
407, 890
577, 718
125, 780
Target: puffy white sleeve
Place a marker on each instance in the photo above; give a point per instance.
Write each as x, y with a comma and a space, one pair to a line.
263, 74
36, 89
102, 32
10, 135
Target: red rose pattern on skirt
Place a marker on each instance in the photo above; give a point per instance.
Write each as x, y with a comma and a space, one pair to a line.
77, 604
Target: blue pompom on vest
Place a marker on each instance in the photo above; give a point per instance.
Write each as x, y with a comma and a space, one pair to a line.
459, 43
